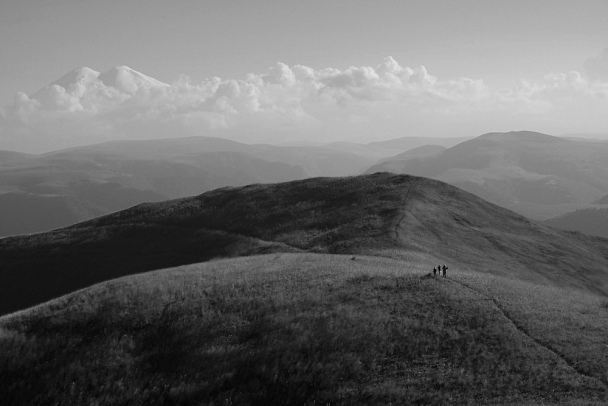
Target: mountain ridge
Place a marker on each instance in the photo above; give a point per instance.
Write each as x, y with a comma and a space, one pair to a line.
379, 214
536, 174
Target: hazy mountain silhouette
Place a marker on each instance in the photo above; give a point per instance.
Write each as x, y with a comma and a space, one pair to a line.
534, 174
602, 200
394, 163
313, 160
42, 192
12, 157
392, 147
378, 214
591, 221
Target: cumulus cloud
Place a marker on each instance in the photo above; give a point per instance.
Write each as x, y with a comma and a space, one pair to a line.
282, 104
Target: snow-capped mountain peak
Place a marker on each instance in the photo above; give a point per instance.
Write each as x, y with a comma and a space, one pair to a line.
121, 78
129, 80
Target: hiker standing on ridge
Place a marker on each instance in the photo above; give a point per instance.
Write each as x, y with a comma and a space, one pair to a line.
434, 270
445, 268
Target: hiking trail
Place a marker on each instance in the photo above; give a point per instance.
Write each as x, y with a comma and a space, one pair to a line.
525, 332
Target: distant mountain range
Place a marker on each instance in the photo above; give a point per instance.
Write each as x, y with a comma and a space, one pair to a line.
591, 221
537, 175
47, 191
534, 174
41, 192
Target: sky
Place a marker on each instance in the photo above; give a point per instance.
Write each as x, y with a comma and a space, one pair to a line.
298, 71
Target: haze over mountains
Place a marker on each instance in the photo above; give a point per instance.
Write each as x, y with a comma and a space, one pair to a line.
85, 106
41, 192
59, 188
56, 189
535, 174
591, 221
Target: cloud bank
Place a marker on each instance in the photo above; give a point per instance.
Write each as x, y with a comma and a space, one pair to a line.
289, 103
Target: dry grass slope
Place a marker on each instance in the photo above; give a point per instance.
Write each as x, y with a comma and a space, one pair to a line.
308, 329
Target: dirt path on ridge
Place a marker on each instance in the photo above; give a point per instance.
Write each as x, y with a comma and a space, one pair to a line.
525, 332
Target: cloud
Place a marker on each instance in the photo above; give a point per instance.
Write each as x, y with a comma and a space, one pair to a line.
285, 103
597, 68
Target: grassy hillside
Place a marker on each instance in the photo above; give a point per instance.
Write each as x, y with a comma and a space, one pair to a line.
309, 329
382, 214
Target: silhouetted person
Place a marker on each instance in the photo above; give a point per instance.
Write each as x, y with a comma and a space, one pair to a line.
434, 270
445, 268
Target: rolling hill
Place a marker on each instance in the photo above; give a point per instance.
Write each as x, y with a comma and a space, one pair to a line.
534, 174
305, 329
380, 214
48, 191
315, 291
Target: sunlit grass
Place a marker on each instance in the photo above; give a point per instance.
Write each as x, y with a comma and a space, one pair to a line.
570, 322
283, 329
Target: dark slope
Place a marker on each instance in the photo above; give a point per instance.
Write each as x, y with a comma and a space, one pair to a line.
593, 221
534, 174
380, 214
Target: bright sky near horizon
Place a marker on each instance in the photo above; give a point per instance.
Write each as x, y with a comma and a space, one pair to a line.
274, 71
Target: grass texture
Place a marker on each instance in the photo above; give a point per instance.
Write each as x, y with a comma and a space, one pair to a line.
309, 329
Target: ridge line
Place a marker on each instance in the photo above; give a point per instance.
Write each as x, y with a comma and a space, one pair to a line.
407, 193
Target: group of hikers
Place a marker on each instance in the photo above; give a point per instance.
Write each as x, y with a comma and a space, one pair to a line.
440, 269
